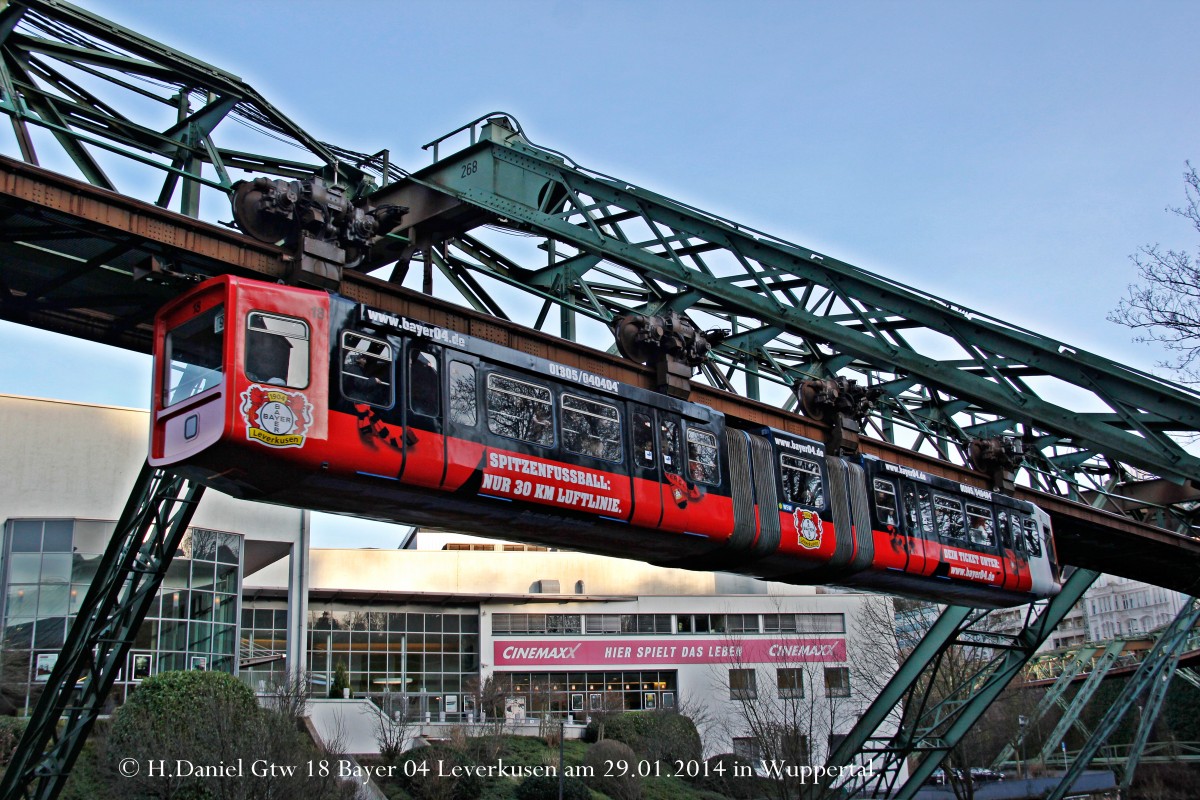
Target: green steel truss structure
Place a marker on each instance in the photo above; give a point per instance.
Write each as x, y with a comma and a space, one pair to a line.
127, 579
1149, 682
501, 219
794, 314
497, 220
940, 691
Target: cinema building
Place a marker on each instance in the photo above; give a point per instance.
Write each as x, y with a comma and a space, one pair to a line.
439, 626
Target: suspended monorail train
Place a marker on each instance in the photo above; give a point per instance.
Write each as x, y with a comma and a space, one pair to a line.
307, 399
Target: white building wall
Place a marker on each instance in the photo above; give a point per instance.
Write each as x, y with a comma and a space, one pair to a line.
703, 679
72, 460
498, 573
1123, 607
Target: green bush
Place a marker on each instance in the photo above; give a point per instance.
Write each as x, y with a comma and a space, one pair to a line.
666, 788
544, 787
11, 729
662, 736
722, 776
601, 758
208, 718
180, 704
429, 778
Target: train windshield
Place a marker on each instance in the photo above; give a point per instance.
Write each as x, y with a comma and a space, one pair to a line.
193, 356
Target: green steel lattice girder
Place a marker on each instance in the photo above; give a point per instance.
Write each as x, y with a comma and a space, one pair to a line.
47, 45
1072, 710
1154, 673
127, 579
930, 731
1081, 659
510, 180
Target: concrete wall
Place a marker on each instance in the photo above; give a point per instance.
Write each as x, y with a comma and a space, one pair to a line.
72, 460
509, 573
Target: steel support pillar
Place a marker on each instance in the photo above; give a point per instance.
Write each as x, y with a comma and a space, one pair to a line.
1085, 657
1189, 675
1071, 711
147, 535
930, 726
1155, 672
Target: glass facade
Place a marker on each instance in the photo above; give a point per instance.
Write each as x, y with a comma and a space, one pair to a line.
48, 567
431, 658
581, 693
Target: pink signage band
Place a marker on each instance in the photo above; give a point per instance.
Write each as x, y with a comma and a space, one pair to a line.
672, 651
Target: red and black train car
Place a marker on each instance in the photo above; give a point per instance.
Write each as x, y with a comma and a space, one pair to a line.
308, 399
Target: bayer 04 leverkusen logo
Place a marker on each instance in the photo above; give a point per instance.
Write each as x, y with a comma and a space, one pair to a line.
808, 529
275, 417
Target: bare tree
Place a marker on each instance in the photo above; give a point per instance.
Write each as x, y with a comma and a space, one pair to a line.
487, 729
335, 740
392, 730
783, 714
1165, 306
289, 693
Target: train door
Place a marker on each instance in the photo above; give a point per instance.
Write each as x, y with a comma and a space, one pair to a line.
670, 458
950, 522
893, 539
644, 470
708, 511
462, 419
424, 443
364, 370
917, 518
1017, 529
934, 538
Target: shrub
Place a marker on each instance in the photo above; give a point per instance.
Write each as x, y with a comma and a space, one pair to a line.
545, 787
654, 735
11, 729
431, 780
207, 718
722, 776
600, 757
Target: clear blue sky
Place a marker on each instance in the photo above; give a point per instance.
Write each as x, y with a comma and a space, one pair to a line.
1008, 156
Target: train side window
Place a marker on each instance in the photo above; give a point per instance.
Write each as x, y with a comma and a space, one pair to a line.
520, 410
276, 350
885, 501
668, 443
590, 428
193, 350
979, 519
950, 518
464, 400
424, 395
801, 481
643, 440
367, 370
1029, 527
702, 457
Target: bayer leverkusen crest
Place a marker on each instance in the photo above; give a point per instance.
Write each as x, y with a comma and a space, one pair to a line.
808, 529
274, 417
